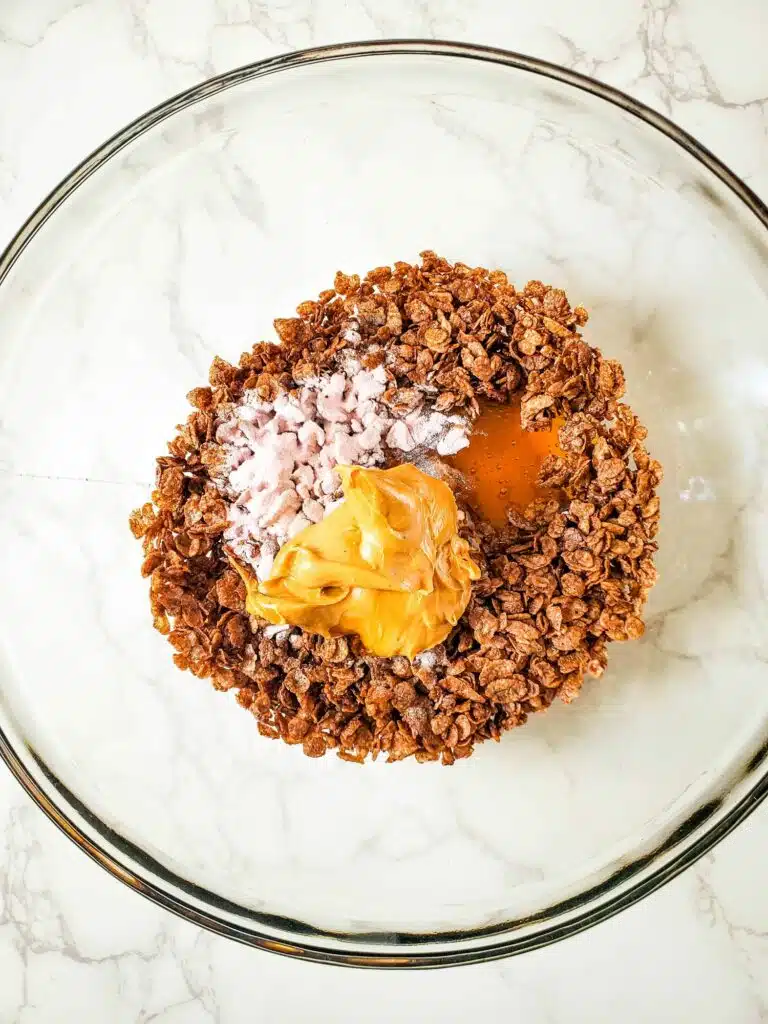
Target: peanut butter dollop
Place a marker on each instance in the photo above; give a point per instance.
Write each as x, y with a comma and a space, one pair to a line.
387, 564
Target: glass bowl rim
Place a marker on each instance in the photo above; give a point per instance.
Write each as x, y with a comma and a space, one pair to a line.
298, 939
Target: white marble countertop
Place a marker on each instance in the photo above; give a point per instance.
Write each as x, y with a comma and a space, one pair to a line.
74, 943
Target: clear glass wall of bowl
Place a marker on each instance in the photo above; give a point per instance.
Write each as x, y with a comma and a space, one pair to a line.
184, 241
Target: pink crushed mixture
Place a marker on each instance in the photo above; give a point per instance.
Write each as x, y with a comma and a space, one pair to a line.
281, 456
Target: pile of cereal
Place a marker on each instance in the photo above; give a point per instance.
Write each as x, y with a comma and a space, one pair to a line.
376, 372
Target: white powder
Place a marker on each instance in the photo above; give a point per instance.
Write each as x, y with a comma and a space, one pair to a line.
281, 456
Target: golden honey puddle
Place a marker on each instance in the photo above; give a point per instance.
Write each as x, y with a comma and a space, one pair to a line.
502, 461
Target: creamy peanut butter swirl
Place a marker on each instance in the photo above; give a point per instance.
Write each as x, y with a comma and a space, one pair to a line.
387, 564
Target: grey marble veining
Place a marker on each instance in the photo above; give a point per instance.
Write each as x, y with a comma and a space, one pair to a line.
74, 943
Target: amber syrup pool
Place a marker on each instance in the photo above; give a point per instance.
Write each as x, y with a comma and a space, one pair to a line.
502, 460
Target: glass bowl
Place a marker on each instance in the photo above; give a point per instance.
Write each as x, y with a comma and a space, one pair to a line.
182, 237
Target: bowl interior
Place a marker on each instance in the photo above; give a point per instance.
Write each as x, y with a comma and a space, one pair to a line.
185, 244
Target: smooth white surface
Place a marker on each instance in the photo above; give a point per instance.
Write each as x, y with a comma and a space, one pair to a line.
75, 943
